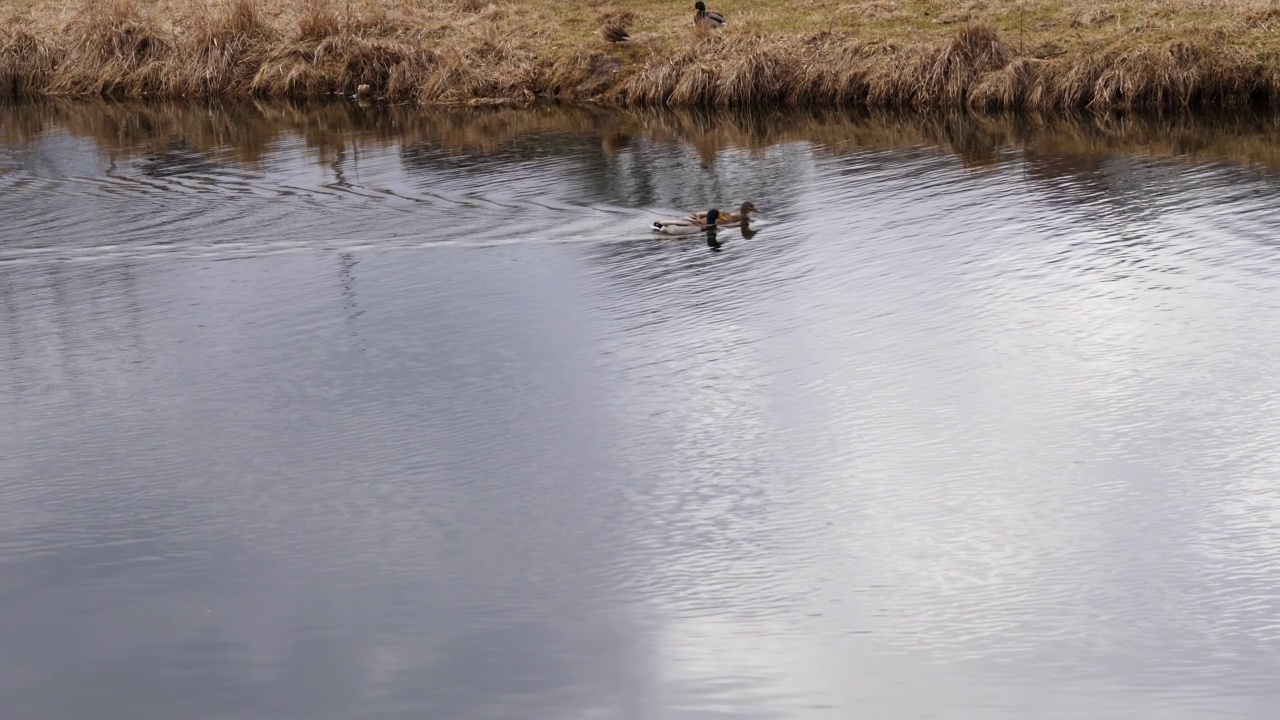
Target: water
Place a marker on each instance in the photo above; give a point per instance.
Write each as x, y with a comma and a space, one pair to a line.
345, 413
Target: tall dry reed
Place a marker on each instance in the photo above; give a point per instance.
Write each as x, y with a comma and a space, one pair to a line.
513, 51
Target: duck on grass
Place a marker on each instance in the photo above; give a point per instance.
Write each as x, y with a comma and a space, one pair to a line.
706, 18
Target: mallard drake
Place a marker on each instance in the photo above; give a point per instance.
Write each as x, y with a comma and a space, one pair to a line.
705, 17
686, 226
743, 215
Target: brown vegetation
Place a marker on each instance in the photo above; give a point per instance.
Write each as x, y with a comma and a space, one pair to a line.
987, 54
246, 132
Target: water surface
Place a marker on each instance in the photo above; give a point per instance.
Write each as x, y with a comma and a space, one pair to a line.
343, 412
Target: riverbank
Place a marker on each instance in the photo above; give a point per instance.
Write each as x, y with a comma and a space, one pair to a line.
992, 55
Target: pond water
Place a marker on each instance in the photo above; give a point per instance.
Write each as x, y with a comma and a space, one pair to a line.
356, 412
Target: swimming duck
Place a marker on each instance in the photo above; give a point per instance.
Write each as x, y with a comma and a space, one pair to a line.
706, 18
743, 215
686, 226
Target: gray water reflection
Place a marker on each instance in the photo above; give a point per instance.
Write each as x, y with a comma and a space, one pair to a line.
353, 412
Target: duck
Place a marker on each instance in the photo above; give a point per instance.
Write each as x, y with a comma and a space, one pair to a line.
687, 226
706, 18
742, 216
614, 33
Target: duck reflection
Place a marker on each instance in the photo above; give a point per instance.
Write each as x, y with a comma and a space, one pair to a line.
713, 239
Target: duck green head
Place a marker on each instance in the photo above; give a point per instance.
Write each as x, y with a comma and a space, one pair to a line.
712, 215
700, 6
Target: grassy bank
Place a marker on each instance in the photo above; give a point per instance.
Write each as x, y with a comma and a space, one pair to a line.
990, 54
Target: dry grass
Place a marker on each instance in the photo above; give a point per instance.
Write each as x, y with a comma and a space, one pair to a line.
990, 54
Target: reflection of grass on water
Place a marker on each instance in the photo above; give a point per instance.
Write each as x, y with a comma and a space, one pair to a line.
246, 131
1100, 54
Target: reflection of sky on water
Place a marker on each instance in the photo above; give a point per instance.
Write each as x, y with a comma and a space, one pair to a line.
973, 442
